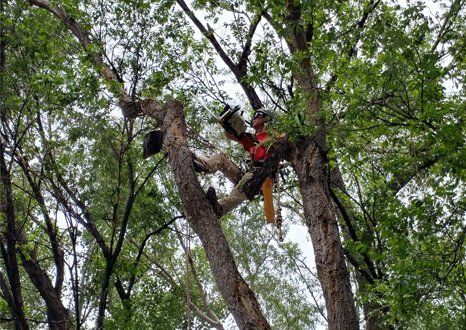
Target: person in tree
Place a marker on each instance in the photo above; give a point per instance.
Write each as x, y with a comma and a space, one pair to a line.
255, 145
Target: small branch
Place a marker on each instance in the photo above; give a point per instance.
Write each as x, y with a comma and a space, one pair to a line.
454, 11
238, 70
361, 24
211, 317
143, 245
247, 46
149, 175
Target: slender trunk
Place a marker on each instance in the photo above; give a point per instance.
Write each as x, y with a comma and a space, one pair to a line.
104, 292
73, 269
58, 316
111, 259
9, 254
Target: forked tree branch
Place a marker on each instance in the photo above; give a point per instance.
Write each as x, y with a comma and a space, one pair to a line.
239, 70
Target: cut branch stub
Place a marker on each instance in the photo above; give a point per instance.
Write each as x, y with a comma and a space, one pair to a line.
153, 143
130, 109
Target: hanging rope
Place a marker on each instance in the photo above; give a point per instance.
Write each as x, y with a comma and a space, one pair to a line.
279, 219
187, 252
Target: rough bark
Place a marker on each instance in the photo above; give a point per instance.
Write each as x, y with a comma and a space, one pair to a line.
323, 229
310, 164
239, 298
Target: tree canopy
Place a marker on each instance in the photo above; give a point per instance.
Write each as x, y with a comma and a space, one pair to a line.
367, 137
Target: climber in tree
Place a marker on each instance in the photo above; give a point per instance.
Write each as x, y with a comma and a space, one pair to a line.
235, 130
254, 143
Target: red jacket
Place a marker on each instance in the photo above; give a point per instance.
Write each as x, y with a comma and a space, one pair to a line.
254, 145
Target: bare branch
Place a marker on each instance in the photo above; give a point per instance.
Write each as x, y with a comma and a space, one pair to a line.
453, 12
247, 46
239, 70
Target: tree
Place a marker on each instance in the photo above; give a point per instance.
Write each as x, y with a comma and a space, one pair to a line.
327, 42
373, 136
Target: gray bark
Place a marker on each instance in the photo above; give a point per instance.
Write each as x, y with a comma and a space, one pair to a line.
323, 229
310, 163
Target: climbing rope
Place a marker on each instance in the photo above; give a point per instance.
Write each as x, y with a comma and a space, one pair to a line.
186, 260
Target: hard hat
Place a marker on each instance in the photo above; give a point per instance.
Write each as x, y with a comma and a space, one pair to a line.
262, 112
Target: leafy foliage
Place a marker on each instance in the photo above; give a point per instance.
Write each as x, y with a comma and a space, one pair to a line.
391, 81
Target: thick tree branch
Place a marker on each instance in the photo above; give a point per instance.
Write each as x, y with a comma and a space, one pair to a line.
58, 316
238, 296
400, 181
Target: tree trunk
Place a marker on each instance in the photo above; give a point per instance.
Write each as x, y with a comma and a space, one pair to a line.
109, 266
322, 223
310, 163
239, 298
